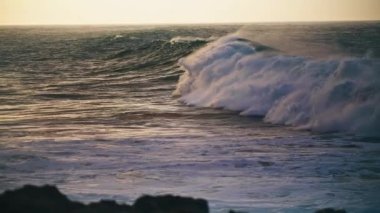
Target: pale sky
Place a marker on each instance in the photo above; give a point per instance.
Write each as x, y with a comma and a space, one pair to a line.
25, 12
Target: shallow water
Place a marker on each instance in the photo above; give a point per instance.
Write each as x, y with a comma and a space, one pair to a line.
91, 110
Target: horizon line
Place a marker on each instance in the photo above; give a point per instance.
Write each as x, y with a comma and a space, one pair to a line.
191, 23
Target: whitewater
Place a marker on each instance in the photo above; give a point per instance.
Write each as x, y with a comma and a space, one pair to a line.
256, 118
323, 95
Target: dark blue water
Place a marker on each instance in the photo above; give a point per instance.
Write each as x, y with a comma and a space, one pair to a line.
262, 118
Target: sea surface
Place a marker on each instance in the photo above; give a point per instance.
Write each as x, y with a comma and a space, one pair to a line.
258, 118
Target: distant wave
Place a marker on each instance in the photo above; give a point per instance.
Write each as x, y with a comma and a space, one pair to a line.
179, 39
320, 95
159, 49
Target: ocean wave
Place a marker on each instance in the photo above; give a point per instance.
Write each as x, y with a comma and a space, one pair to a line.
159, 49
323, 95
183, 39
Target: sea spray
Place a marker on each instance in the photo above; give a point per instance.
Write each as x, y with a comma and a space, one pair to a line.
324, 95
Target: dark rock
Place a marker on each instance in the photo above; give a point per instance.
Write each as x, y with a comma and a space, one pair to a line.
105, 206
331, 210
48, 199
170, 204
37, 199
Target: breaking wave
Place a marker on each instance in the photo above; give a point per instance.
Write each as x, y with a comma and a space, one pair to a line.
323, 95
183, 39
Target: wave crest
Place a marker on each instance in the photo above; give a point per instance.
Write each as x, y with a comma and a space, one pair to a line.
320, 95
184, 39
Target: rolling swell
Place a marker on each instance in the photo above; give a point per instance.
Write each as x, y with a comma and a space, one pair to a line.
144, 56
323, 95
157, 47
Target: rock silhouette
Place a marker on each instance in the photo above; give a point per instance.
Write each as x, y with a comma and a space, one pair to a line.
48, 199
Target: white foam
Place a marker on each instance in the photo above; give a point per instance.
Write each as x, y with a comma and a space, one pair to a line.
182, 39
118, 36
321, 95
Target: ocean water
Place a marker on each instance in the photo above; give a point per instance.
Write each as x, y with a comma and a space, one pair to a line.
258, 118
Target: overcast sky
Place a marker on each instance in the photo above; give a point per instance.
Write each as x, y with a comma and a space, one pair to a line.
183, 11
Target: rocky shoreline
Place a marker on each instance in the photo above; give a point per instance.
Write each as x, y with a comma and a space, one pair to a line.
48, 199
